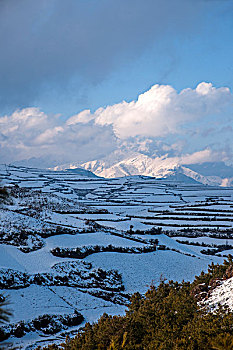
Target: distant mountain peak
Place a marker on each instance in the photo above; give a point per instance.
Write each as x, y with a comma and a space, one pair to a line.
121, 164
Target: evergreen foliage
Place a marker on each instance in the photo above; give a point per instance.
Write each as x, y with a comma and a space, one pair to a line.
215, 271
4, 313
166, 318
3, 193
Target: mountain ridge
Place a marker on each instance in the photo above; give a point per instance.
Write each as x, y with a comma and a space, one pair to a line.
158, 167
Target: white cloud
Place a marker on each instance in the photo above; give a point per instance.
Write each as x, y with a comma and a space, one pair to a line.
160, 122
49, 135
27, 118
31, 133
159, 111
82, 117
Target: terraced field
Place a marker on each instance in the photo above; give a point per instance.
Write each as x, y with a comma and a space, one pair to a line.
80, 245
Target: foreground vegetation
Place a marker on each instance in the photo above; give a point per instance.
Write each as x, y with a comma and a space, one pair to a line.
167, 317
4, 312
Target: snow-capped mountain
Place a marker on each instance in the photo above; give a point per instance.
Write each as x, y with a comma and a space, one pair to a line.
158, 167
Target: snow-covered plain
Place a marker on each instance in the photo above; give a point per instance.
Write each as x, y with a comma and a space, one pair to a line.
48, 210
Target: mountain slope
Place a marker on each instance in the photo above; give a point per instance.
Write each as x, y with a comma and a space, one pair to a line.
82, 172
215, 174
159, 167
76, 170
138, 164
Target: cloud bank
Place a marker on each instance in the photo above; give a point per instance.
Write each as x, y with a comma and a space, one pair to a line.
158, 123
160, 111
31, 133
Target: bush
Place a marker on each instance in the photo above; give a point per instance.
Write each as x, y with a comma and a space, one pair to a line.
4, 313
167, 317
4, 316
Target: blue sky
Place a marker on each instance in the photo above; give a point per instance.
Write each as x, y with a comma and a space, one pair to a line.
61, 58
183, 58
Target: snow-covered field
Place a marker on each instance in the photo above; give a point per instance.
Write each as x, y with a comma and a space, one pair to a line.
134, 231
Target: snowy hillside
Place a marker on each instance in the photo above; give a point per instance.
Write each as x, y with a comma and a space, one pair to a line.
73, 246
158, 167
221, 295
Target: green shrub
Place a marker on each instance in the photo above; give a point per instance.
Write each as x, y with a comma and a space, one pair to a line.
167, 317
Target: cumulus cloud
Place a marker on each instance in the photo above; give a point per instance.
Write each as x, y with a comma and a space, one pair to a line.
31, 133
160, 111
159, 123
82, 117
